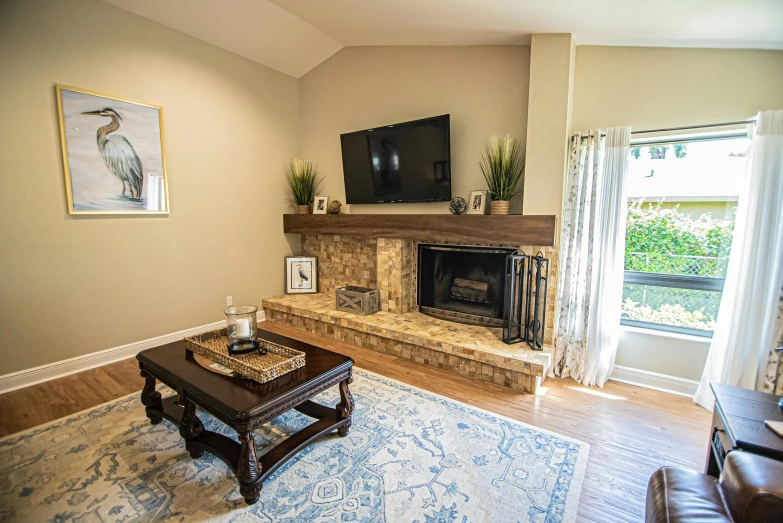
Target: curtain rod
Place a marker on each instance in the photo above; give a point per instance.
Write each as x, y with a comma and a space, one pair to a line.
724, 124
706, 126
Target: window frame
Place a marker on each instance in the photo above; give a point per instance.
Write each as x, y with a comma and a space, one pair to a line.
676, 281
673, 281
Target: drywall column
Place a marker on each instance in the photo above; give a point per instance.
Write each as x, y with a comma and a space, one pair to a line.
552, 58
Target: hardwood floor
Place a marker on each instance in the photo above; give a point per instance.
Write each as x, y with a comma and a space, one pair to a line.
24, 408
631, 431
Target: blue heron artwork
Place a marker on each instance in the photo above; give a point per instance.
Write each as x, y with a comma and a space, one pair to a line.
113, 154
301, 274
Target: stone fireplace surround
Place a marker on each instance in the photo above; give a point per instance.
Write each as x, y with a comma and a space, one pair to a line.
389, 264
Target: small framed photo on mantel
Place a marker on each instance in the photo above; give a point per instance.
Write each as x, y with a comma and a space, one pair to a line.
477, 204
301, 275
319, 204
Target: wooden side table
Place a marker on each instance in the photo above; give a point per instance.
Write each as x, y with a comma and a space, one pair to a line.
244, 405
738, 424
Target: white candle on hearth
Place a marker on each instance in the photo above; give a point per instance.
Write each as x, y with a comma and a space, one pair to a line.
243, 328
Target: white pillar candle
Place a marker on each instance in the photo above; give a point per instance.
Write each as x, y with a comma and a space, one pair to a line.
243, 328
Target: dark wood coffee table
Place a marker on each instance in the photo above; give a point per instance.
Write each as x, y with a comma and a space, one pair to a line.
245, 405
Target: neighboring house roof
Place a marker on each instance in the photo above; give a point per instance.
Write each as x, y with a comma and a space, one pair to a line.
686, 179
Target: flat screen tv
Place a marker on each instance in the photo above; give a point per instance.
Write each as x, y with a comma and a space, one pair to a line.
404, 162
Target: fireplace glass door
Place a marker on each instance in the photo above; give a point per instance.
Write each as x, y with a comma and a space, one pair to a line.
463, 284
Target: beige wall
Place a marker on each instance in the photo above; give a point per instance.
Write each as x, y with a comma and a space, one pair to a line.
662, 353
75, 285
652, 88
483, 88
549, 121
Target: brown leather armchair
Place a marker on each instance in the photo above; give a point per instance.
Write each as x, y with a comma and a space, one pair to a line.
750, 490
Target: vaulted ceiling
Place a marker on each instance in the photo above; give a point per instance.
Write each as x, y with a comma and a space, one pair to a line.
293, 36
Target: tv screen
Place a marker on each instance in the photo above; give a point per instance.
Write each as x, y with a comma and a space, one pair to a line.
405, 162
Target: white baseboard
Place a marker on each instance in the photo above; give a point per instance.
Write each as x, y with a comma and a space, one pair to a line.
50, 371
655, 381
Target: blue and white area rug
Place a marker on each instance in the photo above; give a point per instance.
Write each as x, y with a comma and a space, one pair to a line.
410, 456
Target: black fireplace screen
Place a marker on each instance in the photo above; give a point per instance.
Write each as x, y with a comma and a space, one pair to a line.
524, 312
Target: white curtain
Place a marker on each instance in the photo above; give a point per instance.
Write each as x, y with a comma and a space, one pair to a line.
592, 244
745, 327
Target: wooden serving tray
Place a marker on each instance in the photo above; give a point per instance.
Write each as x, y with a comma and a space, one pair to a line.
277, 361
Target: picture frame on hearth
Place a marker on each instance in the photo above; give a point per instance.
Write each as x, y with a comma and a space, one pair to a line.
320, 204
301, 274
477, 203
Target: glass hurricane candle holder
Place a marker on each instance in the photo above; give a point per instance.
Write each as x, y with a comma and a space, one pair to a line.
241, 324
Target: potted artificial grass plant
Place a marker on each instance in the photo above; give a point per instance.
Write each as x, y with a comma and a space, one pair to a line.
303, 181
503, 166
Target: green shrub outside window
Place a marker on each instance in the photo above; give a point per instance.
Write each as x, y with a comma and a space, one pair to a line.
667, 241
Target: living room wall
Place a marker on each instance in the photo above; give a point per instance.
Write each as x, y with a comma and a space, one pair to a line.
71, 285
75, 285
652, 88
657, 87
485, 89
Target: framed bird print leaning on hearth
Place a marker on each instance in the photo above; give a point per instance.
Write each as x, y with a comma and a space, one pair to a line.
301, 274
113, 154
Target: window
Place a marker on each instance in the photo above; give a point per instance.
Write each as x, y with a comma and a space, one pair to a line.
682, 206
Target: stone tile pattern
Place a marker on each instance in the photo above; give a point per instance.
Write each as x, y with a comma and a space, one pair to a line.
396, 267
342, 260
523, 381
478, 350
389, 264
470, 341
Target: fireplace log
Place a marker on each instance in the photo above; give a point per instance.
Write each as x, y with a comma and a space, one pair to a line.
469, 290
470, 284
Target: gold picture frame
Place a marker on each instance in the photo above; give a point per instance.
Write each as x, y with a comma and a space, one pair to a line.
98, 160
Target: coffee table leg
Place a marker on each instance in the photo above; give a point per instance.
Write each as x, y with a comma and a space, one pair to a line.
150, 398
190, 427
248, 468
345, 407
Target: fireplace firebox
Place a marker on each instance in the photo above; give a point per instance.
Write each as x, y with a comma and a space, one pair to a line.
462, 284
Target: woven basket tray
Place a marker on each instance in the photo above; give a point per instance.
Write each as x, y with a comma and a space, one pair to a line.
277, 361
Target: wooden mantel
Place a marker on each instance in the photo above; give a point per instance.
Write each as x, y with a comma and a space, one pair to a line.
474, 228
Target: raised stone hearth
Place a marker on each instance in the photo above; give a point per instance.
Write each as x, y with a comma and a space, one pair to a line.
469, 350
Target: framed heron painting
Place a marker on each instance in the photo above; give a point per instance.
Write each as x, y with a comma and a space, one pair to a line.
113, 154
301, 274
